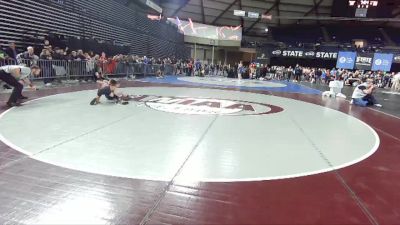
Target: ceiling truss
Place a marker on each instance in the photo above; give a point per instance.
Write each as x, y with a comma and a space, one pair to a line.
284, 12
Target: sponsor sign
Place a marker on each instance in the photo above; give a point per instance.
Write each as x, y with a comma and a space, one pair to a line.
326, 55
346, 60
309, 54
277, 52
304, 54
382, 62
205, 106
364, 61
294, 53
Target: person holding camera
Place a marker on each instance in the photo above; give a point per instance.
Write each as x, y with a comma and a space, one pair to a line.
363, 94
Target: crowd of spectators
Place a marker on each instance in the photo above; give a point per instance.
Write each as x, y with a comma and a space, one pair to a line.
324, 76
96, 66
83, 63
101, 64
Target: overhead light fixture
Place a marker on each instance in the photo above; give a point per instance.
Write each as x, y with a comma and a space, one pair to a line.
267, 17
239, 13
154, 6
253, 15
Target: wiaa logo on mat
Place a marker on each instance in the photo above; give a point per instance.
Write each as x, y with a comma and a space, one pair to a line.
205, 106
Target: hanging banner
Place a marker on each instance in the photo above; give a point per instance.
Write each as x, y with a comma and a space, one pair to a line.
276, 53
302, 53
309, 54
320, 55
382, 62
293, 53
287, 53
346, 60
364, 61
326, 55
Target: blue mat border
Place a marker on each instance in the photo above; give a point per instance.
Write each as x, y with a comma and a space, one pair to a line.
290, 88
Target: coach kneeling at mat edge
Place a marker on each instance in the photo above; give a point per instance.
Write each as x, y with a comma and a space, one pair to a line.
362, 95
16, 76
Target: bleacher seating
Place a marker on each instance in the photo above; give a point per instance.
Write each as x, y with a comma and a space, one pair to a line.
303, 36
371, 34
295, 35
29, 21
394, 34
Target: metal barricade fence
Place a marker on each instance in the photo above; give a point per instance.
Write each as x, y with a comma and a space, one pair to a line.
47, 71
28, 62
169, 69
138, 68
80, 70
50, 69
121, 68
63, 69
154, 68
6, 62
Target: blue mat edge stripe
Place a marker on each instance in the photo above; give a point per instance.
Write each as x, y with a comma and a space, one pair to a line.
290, 88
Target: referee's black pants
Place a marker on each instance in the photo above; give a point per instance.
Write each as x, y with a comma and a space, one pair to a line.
10, 80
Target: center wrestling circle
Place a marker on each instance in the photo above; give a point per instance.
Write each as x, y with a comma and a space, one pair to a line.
205, 134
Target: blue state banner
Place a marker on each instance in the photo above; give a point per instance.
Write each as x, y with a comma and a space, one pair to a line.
346, 60
382, 62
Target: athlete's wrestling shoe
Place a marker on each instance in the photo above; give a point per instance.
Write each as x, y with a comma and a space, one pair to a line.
93, 102
121, 101
23, 98
13, 104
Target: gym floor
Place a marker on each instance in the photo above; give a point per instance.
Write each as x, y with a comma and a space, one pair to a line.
385, 96
197, 151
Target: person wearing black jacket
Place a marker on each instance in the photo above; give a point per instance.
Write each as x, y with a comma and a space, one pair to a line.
289, 73
11, 51
80, 55
297, 73
58, 54
318, 76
